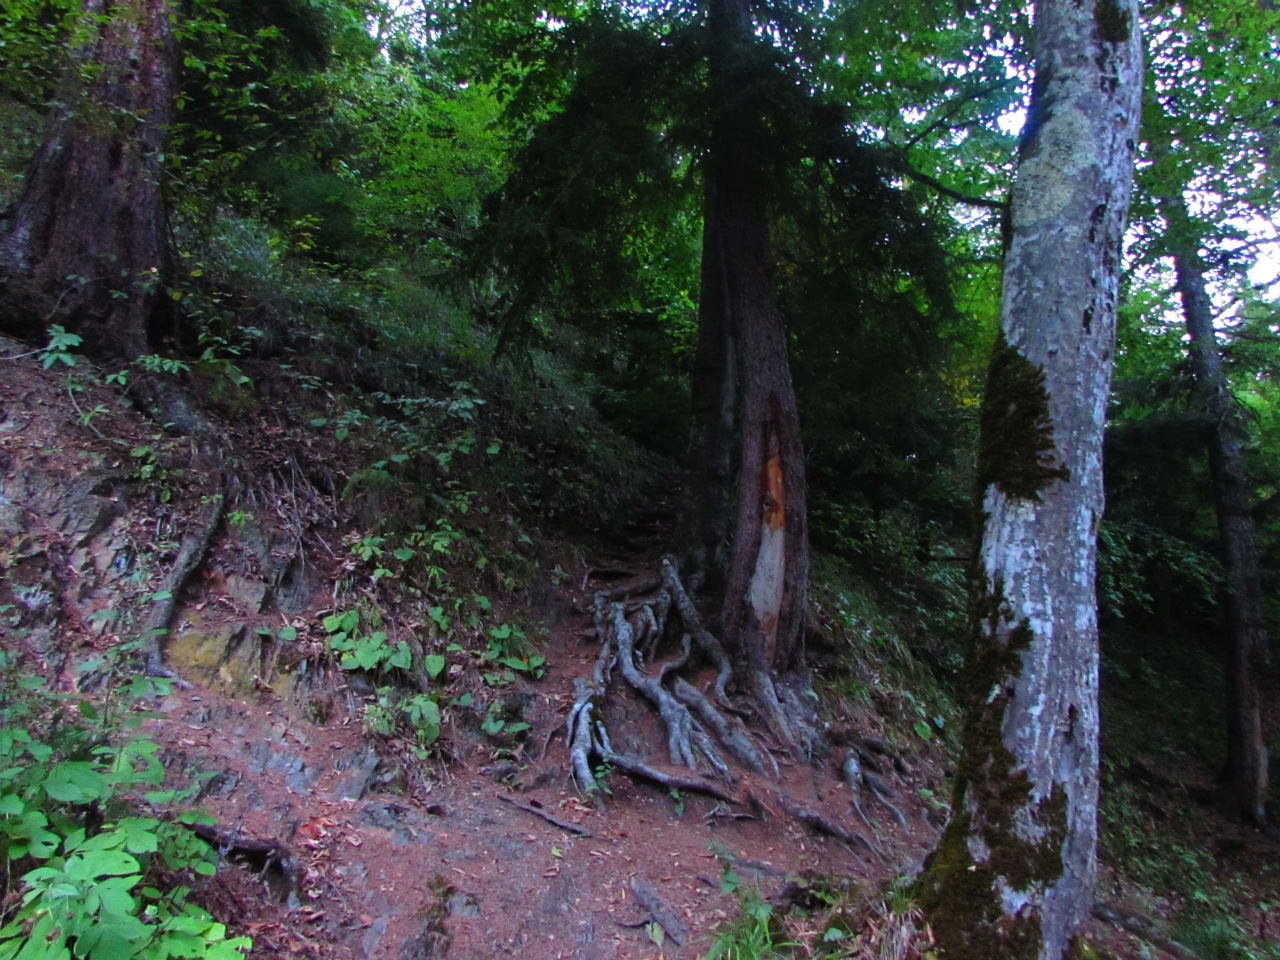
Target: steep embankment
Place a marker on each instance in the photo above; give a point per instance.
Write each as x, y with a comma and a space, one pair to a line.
377, 620
350, 832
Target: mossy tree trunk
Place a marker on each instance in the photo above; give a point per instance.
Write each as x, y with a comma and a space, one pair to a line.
1013, 875
1246, 649
749, 517
87, 243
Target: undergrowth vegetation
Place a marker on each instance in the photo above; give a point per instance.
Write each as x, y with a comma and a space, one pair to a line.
98, 856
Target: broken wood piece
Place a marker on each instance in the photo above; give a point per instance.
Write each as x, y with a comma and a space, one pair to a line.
662, 914
263, 855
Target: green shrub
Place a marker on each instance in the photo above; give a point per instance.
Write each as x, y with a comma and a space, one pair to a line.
94, 878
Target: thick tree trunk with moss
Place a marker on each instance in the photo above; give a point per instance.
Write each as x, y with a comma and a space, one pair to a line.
86, 245
1013, 875
1246, 650
751, 525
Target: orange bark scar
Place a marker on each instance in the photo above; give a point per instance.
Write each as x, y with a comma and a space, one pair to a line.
775, 504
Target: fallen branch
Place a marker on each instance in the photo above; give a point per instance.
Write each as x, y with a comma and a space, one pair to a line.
550, 818
662, 914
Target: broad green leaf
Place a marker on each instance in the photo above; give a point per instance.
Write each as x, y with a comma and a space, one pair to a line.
402, 658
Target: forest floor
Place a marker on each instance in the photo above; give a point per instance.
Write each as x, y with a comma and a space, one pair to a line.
486, 848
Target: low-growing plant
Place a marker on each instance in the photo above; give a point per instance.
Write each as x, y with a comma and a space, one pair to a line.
359, 650
58, 350
754, 935
92, 872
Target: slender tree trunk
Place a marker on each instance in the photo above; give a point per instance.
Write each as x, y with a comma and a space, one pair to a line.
86, 245
1013, 875
744, 395
1246, 649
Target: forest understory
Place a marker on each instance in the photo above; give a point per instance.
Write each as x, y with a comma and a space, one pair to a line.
563, 798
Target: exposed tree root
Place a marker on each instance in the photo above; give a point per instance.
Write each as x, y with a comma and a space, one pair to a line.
701, 726
852, 771
857, 776
672, 781
1144, 928
709, 645
822, 824
190, 555
549, 817
631, 634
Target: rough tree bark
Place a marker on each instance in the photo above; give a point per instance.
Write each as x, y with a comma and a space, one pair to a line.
87, 244
1013, 875
752, 524
1246, 650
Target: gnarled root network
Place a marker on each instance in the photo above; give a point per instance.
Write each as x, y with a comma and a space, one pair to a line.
701, 725
698, 730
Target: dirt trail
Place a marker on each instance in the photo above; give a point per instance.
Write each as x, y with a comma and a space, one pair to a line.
468, 868
437, 863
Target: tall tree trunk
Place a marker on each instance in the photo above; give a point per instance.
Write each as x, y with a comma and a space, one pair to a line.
744, 393
1246, 649
86, 244
708, 476
1013, 875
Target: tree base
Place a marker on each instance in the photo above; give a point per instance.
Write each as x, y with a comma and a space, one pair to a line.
709, 749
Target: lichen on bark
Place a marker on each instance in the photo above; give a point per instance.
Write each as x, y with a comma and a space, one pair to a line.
1017, 451
1003, 844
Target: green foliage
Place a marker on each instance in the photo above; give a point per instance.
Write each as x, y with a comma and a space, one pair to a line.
1136, 560
91, 869
1169, 866
59, 348
754, 935
149, 465
416, 716
36, 40
359, 650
